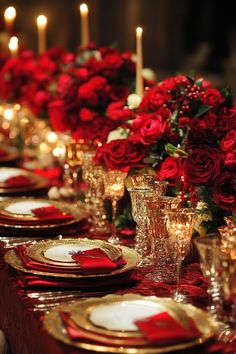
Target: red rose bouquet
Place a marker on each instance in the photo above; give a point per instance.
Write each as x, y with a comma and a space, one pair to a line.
186, 130
97, 83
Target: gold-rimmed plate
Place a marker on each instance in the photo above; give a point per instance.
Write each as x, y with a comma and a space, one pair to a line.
36, 182
130, 256
26, 221
116, 316
59, 252
205, 324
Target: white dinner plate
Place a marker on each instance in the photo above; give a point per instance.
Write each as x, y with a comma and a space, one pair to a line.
62, 253
120, 316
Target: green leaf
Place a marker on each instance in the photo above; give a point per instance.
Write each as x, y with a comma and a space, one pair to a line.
202, 110
225, 92
174, 116
199, 82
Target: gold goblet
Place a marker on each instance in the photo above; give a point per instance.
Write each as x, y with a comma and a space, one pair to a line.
179, 227
164, 262
114, 189
143, 187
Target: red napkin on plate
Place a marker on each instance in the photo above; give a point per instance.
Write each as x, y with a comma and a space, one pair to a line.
96, 261
18, 181
162, 329
51, 213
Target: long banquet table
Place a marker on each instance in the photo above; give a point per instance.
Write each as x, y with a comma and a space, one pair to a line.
26, 335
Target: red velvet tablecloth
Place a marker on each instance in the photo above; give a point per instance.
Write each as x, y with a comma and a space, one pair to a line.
23, 327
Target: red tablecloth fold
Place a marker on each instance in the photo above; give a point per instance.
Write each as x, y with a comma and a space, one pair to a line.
28, 281
17, 181
162, 329
96, 260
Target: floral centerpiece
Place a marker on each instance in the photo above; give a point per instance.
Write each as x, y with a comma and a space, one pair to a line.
184, 129
98, 82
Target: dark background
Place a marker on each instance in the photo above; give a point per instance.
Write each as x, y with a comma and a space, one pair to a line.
179, 35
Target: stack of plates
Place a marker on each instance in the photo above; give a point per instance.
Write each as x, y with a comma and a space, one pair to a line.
107, 324
16, 180
18, 214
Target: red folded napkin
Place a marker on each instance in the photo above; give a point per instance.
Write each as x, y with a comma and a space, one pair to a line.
18, 181
162, 329
52, 213
96, 261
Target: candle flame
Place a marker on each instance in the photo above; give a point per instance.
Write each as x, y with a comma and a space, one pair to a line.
13, 43
139, 30
10, 13
83, 9
41, 20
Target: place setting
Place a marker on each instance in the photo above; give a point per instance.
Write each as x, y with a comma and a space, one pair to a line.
24, 214
70, 262
18, 181
130, 323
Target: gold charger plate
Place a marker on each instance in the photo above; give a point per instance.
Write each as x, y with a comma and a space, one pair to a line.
37, 251
78, 212
37, 182
204, 322
130, 256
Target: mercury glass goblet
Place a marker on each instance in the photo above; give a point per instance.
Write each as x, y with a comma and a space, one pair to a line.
141, 187
73, 162
94, 196
114, 189
164, 260
227, 271
179, 227
207, 246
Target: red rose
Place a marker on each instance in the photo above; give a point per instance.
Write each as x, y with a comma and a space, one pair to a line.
153, 99
87, 115
212, 97
229, 141
224, 191
111, 64
230, 160
60, 119
117, 112
121, 154
200, 133
183, 122
93, 91
41, 99
149, 128
170, 170
202, 166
